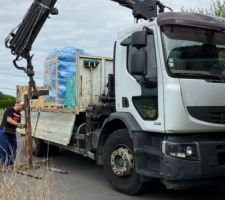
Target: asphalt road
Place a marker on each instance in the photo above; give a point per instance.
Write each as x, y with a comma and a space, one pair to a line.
86, 181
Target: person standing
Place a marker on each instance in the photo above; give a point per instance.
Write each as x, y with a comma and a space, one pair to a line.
8, 144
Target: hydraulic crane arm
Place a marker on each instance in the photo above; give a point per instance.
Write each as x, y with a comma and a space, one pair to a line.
20, 42
143, 9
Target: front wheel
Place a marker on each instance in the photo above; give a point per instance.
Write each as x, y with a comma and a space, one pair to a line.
119, 163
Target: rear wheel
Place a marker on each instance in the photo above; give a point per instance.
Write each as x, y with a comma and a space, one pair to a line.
119, 163
40, 148
53, 150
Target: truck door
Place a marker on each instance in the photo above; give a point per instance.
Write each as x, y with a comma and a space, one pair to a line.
140, 94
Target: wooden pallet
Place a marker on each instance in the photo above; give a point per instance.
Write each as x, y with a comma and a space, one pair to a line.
55, 109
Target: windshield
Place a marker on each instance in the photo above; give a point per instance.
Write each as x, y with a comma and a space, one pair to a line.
194, 52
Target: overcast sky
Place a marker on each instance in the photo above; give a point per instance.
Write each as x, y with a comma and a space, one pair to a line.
88, 24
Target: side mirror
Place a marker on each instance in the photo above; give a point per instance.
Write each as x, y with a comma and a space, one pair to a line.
139, 63
126, 42
139, 39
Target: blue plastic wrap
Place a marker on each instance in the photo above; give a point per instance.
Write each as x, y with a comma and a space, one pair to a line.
53, 52
70, 100
60, 76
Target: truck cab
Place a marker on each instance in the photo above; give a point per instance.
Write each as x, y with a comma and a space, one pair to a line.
170, 78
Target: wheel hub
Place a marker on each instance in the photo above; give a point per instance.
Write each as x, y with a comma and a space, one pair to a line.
122, 162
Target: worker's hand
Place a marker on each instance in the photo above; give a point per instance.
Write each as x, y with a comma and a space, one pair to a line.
19, 125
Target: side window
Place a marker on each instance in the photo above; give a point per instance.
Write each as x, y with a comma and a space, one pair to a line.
151, 52
147, 107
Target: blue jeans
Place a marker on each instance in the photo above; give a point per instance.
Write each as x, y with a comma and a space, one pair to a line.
8, 147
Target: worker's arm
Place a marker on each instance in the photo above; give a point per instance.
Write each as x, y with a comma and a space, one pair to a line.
15, 123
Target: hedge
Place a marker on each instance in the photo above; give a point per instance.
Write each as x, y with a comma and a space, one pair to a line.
7, 103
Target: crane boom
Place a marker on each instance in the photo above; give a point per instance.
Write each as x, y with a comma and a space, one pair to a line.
143, 9
21, 41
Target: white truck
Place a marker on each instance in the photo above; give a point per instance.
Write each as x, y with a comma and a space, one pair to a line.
166, 117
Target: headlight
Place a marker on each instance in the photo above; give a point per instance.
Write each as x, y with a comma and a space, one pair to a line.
178, 150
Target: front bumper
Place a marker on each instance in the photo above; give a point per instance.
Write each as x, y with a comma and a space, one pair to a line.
178, 173
181, 174
210, 164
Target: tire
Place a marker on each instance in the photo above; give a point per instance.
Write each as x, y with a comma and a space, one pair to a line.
39, 148
53, 150
127, 181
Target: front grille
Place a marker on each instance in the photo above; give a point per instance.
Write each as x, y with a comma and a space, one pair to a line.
212, 114
217, 117
221, 158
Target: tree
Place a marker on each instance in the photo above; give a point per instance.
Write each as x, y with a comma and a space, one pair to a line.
6, 97
6, 100
217, 8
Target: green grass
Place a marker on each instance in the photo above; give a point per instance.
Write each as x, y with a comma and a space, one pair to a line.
1, 112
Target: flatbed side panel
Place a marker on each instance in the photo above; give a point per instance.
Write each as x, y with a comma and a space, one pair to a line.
53, 127
91, 82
